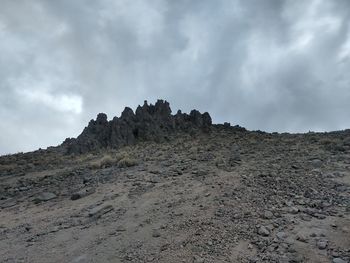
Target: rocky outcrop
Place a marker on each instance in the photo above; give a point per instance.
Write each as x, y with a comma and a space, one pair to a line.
148, 123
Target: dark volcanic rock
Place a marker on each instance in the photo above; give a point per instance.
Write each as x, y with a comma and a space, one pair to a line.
148, 123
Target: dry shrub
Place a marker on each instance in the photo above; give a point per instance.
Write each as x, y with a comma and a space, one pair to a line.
120, 156
8, 167
105, 161
126, 161
326, 141
121, 159
84, 158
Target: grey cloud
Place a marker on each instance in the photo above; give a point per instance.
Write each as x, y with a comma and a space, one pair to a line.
269, 65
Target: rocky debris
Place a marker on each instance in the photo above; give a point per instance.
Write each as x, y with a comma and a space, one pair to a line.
120, 229
235, 157
322, 244
293, 210
82, 193
44, 196
302, 238
268, 215
198, 259
155, 233
100, 210
148, 123
263, 231
281, 235
316, 163
80, 259
338, 260
8, 203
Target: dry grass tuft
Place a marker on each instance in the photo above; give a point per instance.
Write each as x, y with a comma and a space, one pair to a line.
126, 161
105, 161
120, 159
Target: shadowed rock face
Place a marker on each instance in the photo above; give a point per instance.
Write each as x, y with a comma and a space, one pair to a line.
148, 123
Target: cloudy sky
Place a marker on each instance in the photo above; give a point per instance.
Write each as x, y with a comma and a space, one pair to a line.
272, 65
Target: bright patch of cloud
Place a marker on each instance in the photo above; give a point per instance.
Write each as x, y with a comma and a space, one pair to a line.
40, 91
58, 102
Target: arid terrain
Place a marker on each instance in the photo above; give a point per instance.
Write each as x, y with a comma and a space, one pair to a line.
220, 195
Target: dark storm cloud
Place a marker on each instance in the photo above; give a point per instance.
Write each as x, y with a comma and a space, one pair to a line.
270, 65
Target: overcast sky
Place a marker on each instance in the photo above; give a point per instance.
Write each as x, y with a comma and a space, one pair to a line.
271, 65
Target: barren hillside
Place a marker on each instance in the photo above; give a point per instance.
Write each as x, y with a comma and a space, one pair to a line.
156, 187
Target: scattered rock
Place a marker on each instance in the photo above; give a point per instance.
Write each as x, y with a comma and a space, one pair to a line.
155, 233
80, 259
319, 216
316, 163
44, 196
8, 203
293, 210
198, 259
263, 231
120, 229
100, 210
302, 238
82, 194
339, 260
281, 235
268, 215
295, 258
322, 244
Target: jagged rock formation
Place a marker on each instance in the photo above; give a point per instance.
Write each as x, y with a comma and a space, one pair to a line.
149, 122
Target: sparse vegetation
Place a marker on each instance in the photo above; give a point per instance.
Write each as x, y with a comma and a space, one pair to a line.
120, 159
105, 161
127, 161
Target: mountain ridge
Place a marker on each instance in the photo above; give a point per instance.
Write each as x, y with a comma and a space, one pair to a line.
148, 123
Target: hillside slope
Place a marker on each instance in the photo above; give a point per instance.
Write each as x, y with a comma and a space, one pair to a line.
220, 195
